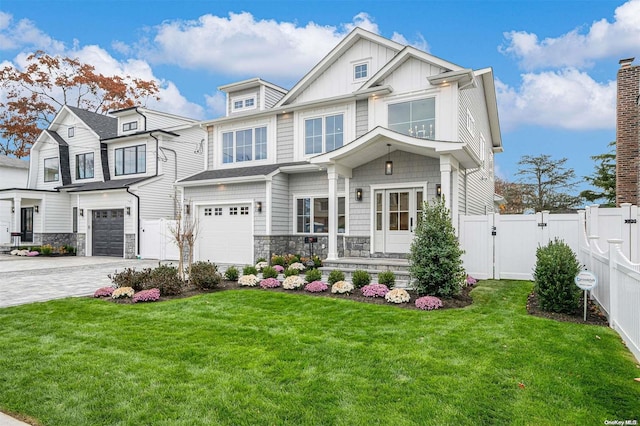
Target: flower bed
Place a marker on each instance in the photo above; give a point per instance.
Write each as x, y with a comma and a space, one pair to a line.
269, 283
104, 292
293, 282
121, 292
397, 295
428, 303
374, 290
150, 295
342, 287
316, 287
248, 280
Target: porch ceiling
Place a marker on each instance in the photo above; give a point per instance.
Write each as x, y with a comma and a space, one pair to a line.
373, 145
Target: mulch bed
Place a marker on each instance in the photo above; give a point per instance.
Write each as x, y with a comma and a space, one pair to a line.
594, 315
460, 301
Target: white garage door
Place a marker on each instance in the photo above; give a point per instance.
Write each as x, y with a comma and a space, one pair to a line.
226, 234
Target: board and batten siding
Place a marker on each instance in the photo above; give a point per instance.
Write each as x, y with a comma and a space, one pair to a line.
406, 168
338, 79
281, 208
225, 194
362, 117
411, 76
480, 184
284, 148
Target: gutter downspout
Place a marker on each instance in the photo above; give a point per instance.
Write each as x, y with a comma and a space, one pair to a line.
144, 117
175, 167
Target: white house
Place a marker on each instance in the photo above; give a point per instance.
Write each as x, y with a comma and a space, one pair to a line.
94, 177
13, 174
347, 156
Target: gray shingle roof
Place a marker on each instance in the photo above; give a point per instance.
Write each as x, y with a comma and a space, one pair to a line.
100, 186
16, 163
237, 172
103, 125
57, 137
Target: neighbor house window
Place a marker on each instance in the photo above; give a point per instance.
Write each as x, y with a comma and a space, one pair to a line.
244, 145
51, 169
360, 71
131, 160
84, 166
414, 118
323, 134
131, 125
312, 215
71, 131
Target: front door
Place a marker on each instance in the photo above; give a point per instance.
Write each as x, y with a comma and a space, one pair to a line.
26, 224
397, 213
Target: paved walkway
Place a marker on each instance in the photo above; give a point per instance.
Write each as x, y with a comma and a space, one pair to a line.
38, 279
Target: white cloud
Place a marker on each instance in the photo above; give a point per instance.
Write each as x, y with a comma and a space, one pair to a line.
24, 33
568, 99
576, 48
216, 104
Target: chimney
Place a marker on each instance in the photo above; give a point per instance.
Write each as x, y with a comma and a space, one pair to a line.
628, 133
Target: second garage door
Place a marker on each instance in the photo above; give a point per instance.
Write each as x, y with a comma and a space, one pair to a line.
226, 234
108, 232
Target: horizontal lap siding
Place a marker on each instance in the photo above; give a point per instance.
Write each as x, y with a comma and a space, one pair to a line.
362, 117
285, 138
106, 201
58, 213
271, 97
212, 194
281, 209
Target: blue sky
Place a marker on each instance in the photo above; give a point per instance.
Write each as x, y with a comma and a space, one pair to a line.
555, 62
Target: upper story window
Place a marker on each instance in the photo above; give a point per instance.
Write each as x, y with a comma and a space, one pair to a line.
131, 160
360, 71
71, 131
323, 134
471, 124
84, 166
414, 118
129, 126
241, 104
51, 169
244, 145
483, 149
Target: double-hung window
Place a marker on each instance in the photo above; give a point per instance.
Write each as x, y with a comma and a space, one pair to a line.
131, 160
312, 215
51, 169
323, 134
414, 118
244, 145
84, 166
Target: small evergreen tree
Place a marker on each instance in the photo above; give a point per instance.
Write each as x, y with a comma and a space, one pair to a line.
436, 256
555, 271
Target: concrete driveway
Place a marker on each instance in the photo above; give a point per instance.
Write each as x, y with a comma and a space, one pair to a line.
38, 279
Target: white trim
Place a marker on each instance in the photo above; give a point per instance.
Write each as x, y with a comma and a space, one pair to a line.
247, 124
294, 212
348, 132
243, 99
356, 63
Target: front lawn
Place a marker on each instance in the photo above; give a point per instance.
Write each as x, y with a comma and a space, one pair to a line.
259, 357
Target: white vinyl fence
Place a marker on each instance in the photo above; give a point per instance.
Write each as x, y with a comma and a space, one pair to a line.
606, 241
156, 241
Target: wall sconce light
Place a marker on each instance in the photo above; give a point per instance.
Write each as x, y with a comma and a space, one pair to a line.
13, 209
81, 212
259, 206
187, 209
36, 208
438, 190
128, 211
388, 166
358, 194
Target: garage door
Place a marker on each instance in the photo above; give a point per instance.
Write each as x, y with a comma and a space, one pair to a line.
108, 232
226, 234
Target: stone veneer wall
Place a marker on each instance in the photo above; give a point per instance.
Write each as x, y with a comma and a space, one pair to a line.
267, 245
627, 133
129, 246
81, 246
55, 240
361, 247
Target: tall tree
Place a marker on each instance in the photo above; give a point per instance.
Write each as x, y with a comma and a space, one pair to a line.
546, 182
33, 96
603, 177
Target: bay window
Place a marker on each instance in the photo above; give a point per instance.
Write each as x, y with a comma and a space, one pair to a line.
244, 145
414, 118
312, 215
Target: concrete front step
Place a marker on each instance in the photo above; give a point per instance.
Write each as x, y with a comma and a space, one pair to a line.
374, 266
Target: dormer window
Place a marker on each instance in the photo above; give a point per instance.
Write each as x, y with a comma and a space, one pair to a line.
71, 131
244, 103
129, 126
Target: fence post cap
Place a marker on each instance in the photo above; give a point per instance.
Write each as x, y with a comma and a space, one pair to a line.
625, 204
614, 241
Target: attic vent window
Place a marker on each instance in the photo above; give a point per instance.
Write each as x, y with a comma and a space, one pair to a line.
132, 125
360, 71
71, 132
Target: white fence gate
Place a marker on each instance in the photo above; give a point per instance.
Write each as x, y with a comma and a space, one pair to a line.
156, 241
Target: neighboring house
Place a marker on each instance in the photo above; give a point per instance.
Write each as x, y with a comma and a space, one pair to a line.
13, 174
346, 156
94, 177
628, 133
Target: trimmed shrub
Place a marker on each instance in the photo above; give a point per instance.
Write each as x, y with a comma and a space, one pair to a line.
165, 278
436, 256
249, 270
554, 273
231, 274
387, 278
360, 278
316, 287
293, 282
428, 303
374, 290
269, 272
129, 277
313, 275
335, 276
103, 292
204, 275
291, 272
397, 295
151, 295
342, 287
269, 283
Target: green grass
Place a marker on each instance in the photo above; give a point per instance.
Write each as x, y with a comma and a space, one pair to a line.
260, 357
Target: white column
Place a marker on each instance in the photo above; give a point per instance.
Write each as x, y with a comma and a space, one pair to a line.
445, 179
333, 213
17, 205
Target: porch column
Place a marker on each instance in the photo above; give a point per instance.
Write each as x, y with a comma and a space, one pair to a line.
17, 205
333, 213
445, 179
